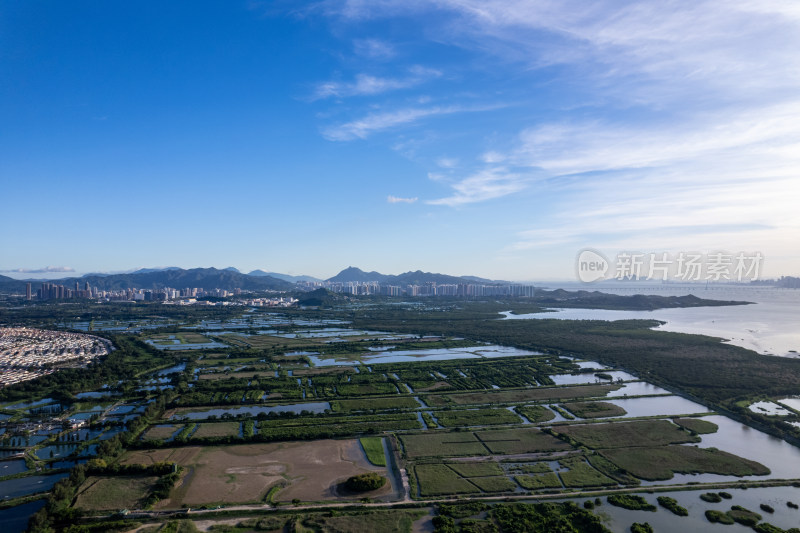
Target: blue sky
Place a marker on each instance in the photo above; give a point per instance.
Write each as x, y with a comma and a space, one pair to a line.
492, 138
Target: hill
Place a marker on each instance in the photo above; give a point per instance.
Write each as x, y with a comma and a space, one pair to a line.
207, 278
284, 277
356, 274
418, 277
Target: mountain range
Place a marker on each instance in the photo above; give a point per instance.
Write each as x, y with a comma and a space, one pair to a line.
229, 279
207, 278
353, 274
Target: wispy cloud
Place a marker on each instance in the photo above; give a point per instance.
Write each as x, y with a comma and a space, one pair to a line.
447, 162
400, 200
364, 127
718, 181
40, 270
483, 185
373, 49
679, 124
367, 85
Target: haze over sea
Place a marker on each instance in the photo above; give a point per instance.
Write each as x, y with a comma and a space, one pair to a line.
769, 326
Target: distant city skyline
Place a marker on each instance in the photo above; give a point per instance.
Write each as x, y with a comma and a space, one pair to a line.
489, 138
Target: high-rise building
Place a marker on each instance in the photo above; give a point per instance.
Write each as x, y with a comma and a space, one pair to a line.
28, 291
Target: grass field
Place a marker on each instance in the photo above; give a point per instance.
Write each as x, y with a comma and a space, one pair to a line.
378, 404
519, 396
366, 389
216, 429
374, 522
536, 413
184, 337
494, 483
260, 342
539, 481
521, 440
114, 493
660, 463
451, 444
161, 431
483, 469
628, 434
476, 417
697, 425
373, 447
581, 474
250, 374
437, 480
534, 468
594, 409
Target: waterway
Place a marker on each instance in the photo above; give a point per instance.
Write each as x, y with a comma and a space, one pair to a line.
767, 326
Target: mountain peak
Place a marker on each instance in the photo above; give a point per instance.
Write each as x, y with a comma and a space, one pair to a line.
352, 273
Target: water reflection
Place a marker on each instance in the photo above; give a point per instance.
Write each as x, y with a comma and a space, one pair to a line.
659, 406
663, 521
24, 486
15, 519
313, 407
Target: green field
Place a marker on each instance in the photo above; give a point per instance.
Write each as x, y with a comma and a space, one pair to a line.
594, 409
581, 474
519, 396
482, 469
535, 413
114, 493
534, 468
449, 444
627, 434
437, 480
160, 432
476, 417
494, 483
660, 463
373, 447
539, 481
698, 425
375, 522
522, 440
377, 404
216, 429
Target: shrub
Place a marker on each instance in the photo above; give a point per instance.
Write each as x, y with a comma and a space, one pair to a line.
365, 482
633, 502
672, 505
718, 517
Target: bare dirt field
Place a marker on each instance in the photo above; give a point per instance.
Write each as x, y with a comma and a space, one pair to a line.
308, 471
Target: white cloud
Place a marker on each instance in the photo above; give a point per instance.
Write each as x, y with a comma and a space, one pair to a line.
373, 49
447, 162
484, 185
645, 51
400, 200
367, 85
364, 127
41, 270
680, 124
